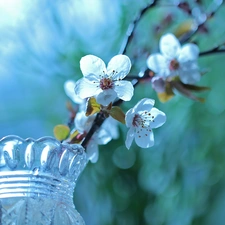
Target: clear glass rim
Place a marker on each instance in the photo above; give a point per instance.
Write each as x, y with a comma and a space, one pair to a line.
42, 167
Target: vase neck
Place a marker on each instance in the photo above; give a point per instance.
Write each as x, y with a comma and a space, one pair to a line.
35, 184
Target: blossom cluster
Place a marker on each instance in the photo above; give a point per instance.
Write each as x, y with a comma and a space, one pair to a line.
174, 60
102, 86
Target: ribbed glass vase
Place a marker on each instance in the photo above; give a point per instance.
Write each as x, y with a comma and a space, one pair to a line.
37, 181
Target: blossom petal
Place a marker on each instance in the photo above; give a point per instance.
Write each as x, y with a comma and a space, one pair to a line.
190, 76
159, 118
69, 89
158, 64
158, 84
82, 122
84, 88
118, 67
111, 126
188, 52
144, 138
124, 89
92, 151
129, 117
189, 65
102, 137
129, 138
144, 104
91, 64
106, 96
93, 78
169, 46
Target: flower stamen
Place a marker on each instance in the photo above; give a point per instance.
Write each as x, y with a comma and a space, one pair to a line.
174, 65
142, 120
106, 83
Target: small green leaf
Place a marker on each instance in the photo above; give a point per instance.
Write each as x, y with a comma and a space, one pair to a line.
92, 107
73, 135
76, 137
185, 27
164, 97
181, 88
61, 132
167, 95
195, 88
117, 113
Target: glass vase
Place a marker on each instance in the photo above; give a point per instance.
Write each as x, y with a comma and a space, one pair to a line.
37, 181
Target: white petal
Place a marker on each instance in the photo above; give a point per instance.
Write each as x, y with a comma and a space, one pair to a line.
129, 117
169, 46
82, 122
190, 76
129, 138
106, 96
118, 67
158, 84
91, 64
84, 88
144, 138
159, 118
188, 52
144, 104
158, 64
124, 89
69, 86
92, 151
102, 137
111, 126
93, 78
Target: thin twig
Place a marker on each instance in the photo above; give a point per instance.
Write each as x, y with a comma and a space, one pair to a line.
132, 27
212, 51
99, 119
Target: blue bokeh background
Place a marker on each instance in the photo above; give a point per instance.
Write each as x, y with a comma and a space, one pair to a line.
181, 180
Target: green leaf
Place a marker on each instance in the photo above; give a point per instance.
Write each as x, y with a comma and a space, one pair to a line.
61, 132
167, 95
117, 113
76, 137
181, 88
185, 27
164, 97
195, 88
92, 107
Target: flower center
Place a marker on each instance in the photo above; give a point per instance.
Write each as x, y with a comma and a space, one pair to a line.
144, 120
136, 120
106, 83
174, 64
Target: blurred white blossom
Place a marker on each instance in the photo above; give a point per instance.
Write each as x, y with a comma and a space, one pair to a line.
175, 60
69, 86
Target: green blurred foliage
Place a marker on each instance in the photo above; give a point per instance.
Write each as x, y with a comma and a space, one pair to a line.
179, 181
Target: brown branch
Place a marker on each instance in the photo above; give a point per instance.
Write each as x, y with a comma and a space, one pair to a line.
100, 118
132, 27
212, 51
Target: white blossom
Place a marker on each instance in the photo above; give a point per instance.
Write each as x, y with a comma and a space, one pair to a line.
69, 86
102, 136
105, 84
141, 120
175, 60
